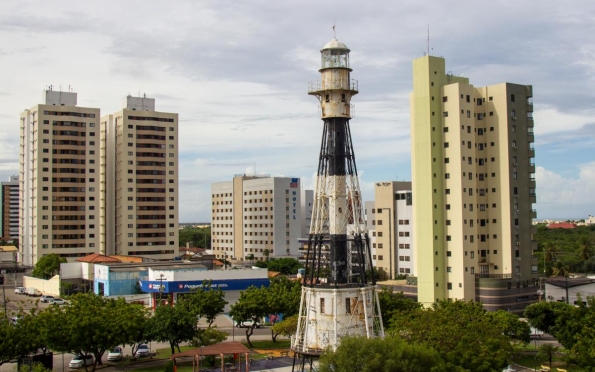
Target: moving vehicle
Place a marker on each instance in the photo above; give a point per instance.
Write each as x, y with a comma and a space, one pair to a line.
19, 290
58, 301
48, 299
32, 292
80, 360
143, 351
246, 324
115, 354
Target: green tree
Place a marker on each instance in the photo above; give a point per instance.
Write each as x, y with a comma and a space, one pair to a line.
382, 355
48, 266
542, 315
92, 324
9, 337
282, 297
205, 302
461, 332
285, 265
287, 327
172, 324
32, 333
547, 351
251, 306
392, 303
208, 336
511, 326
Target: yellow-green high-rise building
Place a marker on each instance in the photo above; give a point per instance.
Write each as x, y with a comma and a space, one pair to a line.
473, 189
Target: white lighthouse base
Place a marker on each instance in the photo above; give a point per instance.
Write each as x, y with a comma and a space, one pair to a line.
327, 314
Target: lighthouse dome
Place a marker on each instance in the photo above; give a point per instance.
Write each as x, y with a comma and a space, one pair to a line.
335, 44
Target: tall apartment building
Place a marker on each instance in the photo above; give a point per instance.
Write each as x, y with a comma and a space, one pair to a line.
389, 219
58, 178
9, 212
255, 214
139, 181
474, 186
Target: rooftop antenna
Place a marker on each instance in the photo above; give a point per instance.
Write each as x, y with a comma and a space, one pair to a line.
428, 39
334, 31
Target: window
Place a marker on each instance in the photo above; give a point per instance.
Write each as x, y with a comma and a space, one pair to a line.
322, 306
445, 99
445, 114
512, 98
449, 285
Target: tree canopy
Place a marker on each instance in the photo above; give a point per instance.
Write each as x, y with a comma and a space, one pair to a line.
391, 354
48, 266
392, 303
197, 236
251, 306
205, 302
463, 333
284, 265
172, 324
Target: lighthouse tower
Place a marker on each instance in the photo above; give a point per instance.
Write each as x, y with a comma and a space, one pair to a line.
339, 295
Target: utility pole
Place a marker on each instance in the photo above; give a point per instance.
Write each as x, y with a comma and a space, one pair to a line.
4, 299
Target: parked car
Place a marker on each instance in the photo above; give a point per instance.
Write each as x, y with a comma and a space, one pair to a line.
115, 354
32, 292
19, 290
142, 351
80, 360
58, 301
48, 299
246, 324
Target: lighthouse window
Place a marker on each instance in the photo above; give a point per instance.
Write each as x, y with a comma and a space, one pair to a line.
348, 305
326, 98
342, 97
322, 306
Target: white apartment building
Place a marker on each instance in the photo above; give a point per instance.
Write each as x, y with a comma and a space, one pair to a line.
253, 215
59, 201
139, 181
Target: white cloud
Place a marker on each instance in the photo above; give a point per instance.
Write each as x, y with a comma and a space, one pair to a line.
566, 197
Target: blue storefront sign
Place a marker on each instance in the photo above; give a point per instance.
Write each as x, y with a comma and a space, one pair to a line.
188, 286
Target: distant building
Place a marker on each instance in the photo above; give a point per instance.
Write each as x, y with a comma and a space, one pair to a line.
9, 209
139, 181
59, 174
472, 161
389, 219
561, 225
562, 289
255, 214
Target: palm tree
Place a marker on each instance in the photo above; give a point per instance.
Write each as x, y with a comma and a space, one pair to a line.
560, 269
585, 248
547, 351
549, 250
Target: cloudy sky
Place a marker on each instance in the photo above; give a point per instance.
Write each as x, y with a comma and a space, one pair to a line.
237, 74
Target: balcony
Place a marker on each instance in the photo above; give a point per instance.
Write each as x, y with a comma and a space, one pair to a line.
533, 198
532, 183
530, 137
533, 213
532, 168
531, 153
530, 122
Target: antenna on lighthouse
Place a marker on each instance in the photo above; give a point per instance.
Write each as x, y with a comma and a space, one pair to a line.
334, 31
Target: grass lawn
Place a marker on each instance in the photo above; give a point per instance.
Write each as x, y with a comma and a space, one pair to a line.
166, 352
269, 344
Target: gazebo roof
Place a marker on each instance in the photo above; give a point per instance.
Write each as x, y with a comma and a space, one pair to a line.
218, 349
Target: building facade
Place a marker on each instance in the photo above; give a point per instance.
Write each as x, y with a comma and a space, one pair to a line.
256, 215
9, 214
389, 219
473, 176
59, 201
139, 181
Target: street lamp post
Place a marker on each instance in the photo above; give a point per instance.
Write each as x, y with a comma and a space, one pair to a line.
390, 244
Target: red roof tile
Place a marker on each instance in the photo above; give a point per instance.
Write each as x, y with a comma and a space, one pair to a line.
97, 258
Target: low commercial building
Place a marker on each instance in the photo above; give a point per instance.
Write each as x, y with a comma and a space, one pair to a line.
562, 289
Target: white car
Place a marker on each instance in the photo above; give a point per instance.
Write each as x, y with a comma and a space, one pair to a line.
80, 360
246, 324
58, 301
115, 354
46, 298
142, 351
19, 290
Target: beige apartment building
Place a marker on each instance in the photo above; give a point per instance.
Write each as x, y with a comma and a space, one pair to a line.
391, 220
59, 201
473, 189
139, 181
253, 215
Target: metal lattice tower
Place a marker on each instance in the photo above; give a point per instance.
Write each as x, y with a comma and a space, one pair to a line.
339, 295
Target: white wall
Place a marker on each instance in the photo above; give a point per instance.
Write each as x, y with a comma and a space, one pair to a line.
49, 287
